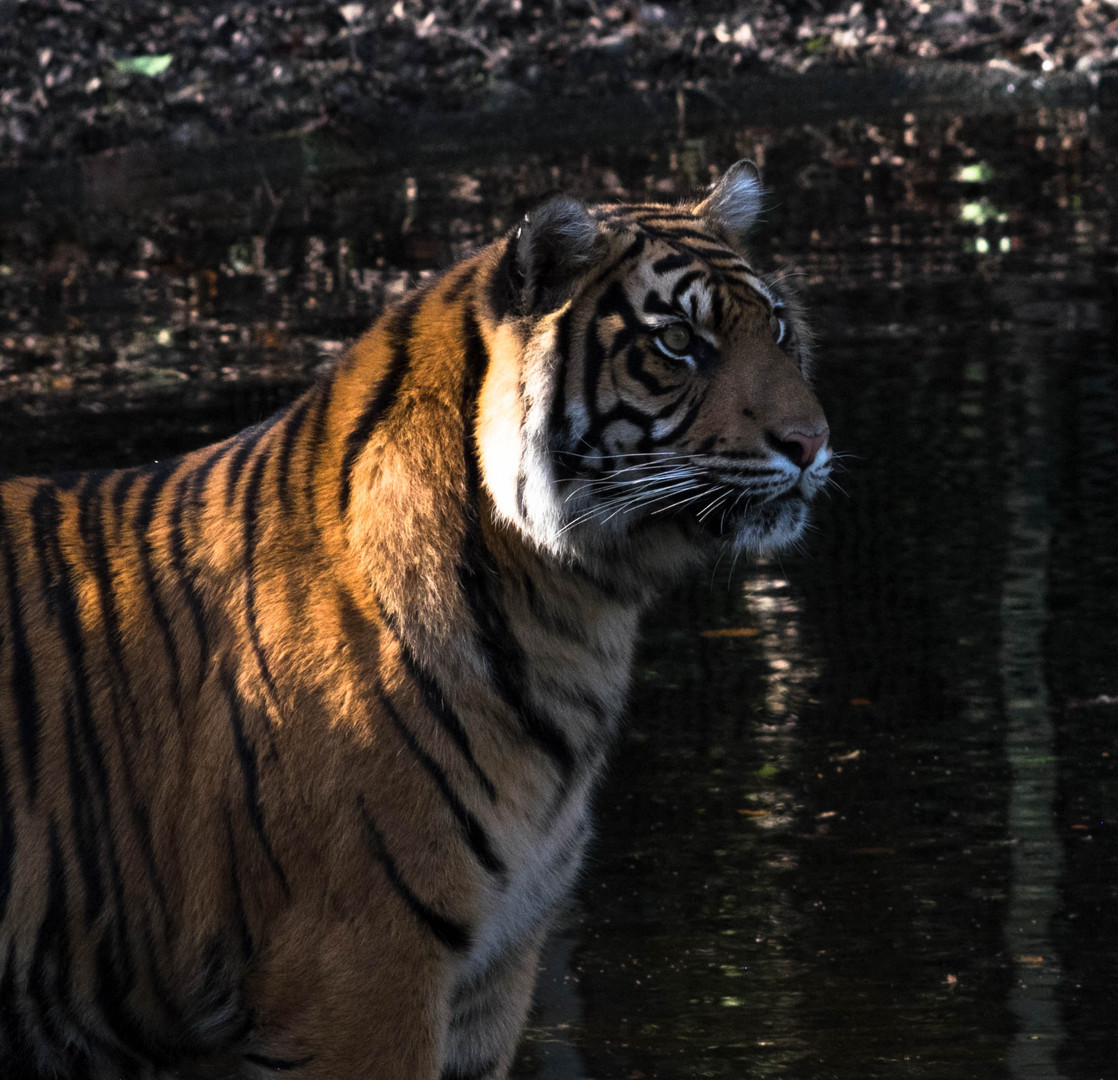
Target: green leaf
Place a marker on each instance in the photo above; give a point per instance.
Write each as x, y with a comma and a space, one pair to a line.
145, 65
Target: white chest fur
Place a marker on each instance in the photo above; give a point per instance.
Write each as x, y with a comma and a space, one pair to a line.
543, 864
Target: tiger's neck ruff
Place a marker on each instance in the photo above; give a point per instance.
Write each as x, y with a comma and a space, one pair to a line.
300, 730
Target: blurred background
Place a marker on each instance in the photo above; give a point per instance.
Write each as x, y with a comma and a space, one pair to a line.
862, 820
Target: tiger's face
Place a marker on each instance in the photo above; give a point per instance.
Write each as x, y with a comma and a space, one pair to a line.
678, 416
693, 408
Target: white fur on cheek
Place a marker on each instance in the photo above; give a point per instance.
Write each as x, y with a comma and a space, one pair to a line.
499, 421
512, 442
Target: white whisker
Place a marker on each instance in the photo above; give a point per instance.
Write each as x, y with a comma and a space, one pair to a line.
721, 497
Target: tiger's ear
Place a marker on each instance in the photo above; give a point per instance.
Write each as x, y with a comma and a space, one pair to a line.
734, 203
556, 242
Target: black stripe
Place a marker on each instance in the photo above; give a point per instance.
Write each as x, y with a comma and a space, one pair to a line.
633, 251
507, 665
435, 700
157, 478
478, 573
676, 237
559, 435
126, 480
244, 931
83, 819
637, 370
115, 968
215, 455
198, 483
683, 425
717, 309
90, 525
13, 1040
668, 263
748, 455
558, 423
317, 440
640, 211
294, 423
732, 267
48, 972
385, 396
554, 622
115, 976
141, 817
639, 418
94, 826
91, 529
612, 301
684, 283
244, 446
89, 775
505, 281
49, 984
655, 304
182, 572
248, 538
205, 1015
246, 757
244, 442
28, 719
472, 829
453, 288
454, 935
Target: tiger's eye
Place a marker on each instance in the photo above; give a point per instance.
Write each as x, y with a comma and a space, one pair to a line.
776, 327
676, 338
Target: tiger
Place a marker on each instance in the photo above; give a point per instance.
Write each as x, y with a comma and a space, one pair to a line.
301, 730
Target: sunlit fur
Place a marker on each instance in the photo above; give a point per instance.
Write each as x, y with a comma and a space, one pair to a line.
299, 731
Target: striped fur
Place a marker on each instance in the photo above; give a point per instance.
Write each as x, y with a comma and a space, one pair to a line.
299, 731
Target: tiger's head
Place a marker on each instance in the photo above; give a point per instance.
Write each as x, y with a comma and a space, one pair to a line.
649, 399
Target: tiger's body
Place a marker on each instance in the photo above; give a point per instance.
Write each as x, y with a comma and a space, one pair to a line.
298, 732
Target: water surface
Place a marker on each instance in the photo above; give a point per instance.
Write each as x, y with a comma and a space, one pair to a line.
861, 823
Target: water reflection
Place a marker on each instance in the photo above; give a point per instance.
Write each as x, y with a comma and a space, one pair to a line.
1036, 861
861, 824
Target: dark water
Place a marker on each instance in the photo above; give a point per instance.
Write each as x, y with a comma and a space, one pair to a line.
863, 821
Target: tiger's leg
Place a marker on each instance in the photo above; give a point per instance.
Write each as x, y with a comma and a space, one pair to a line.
342, 1003
488, 1010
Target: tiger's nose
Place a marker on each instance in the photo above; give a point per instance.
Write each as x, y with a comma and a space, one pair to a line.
800, 447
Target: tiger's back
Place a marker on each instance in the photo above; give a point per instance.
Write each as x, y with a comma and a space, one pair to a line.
299, 732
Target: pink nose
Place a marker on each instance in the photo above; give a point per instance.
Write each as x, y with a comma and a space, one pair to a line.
800, 447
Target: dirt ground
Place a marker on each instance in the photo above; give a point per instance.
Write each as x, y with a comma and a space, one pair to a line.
82, 76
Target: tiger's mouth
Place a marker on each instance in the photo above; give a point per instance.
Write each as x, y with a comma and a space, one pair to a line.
741, 517
711, 506
757, 515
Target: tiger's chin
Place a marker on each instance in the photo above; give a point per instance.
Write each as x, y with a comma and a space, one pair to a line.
773, 526
757, 529
657, 550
